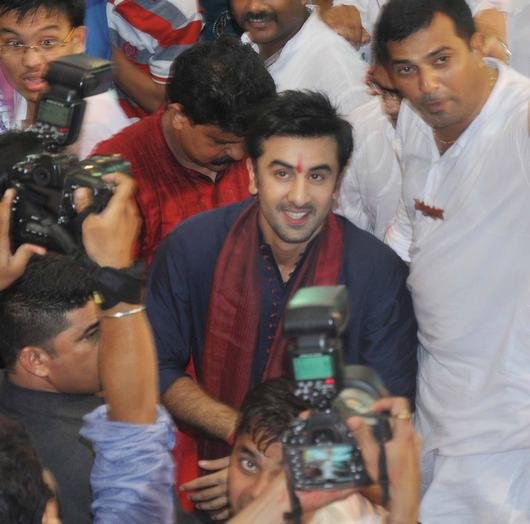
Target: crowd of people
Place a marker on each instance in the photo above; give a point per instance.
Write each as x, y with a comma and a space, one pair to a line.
383, 145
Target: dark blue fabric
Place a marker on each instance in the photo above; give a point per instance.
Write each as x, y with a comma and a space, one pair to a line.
98, 41
382, 328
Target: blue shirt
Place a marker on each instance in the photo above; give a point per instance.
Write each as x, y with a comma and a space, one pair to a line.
382, 328
133, 474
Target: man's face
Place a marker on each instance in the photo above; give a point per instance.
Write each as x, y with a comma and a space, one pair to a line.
73, 365
25, 68
209, 146
296, 182
270, 23
251, 470
439, 73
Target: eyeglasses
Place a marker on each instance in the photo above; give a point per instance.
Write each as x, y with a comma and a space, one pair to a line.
47, 46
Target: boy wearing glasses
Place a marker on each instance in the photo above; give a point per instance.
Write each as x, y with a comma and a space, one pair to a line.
33, 34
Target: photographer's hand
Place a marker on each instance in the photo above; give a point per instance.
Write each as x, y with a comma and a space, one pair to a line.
402, 456
109, 236
209, 492
12, 265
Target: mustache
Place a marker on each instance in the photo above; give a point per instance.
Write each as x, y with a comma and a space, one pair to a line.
429, 99
259, 16
290, 209
223, 160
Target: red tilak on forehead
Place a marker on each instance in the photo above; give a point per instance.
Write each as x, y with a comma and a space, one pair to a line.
299, 165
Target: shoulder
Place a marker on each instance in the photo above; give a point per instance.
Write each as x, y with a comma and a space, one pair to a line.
128, 139
201, 237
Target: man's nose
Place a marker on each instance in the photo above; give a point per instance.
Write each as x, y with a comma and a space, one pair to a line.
298, 191
262, 481
429, 81
32, 57
236, 151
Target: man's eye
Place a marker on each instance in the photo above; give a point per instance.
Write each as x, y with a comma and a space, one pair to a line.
441, 59
15, 44
317, 177
281, 173
248, 465
48, 43
404, 70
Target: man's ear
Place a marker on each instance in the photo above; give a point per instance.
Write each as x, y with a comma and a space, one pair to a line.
478, 44
178, 117
253, 182
79, 39
34, 360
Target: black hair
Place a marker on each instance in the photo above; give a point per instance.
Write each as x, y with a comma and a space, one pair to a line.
304, 114
401, 18
33, 310
268, 410
74, 10
219, 83
23, 492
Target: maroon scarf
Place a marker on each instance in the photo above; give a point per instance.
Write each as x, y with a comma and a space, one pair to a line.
234, 310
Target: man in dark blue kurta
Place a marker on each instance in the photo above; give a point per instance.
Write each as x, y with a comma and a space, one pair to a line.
221, 280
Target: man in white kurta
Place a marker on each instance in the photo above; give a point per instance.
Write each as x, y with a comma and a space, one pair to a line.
464, 225
307, 55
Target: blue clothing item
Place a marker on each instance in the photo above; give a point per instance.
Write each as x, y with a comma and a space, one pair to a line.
98, 40
133, 474
382, 328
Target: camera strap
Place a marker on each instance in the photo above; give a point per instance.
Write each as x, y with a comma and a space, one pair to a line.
295, 515
116, 285
383, 474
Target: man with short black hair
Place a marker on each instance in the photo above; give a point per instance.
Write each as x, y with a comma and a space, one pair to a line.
302, 52
221, 281
33, 34
463, 225
50, 324
188, 157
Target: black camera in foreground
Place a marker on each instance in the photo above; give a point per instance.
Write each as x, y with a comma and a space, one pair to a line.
319, 451
46, 177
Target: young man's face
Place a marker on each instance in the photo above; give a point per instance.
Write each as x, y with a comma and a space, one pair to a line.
25, 68
270, 23
296, 183
73, 365
251, 470
439, 73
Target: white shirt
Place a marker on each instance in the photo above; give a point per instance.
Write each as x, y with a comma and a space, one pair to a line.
318, 59
469, 273
103, 118
371, 184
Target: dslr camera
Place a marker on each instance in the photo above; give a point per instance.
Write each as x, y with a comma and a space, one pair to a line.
319, 451
44, 175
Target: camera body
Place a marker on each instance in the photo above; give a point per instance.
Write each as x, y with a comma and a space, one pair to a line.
43, 209
319, 451
44, 176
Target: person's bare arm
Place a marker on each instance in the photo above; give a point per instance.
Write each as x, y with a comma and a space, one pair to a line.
127, 363
189, 403
492, 24
346, 21
139, 86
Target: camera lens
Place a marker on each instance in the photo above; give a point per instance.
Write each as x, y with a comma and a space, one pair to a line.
41, 176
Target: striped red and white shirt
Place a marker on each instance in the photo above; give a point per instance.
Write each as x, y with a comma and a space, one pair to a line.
151, 33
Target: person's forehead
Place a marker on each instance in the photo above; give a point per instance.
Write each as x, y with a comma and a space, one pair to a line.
440, 33
219, 134
313, 148
271, 454
80, 319
34, 22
